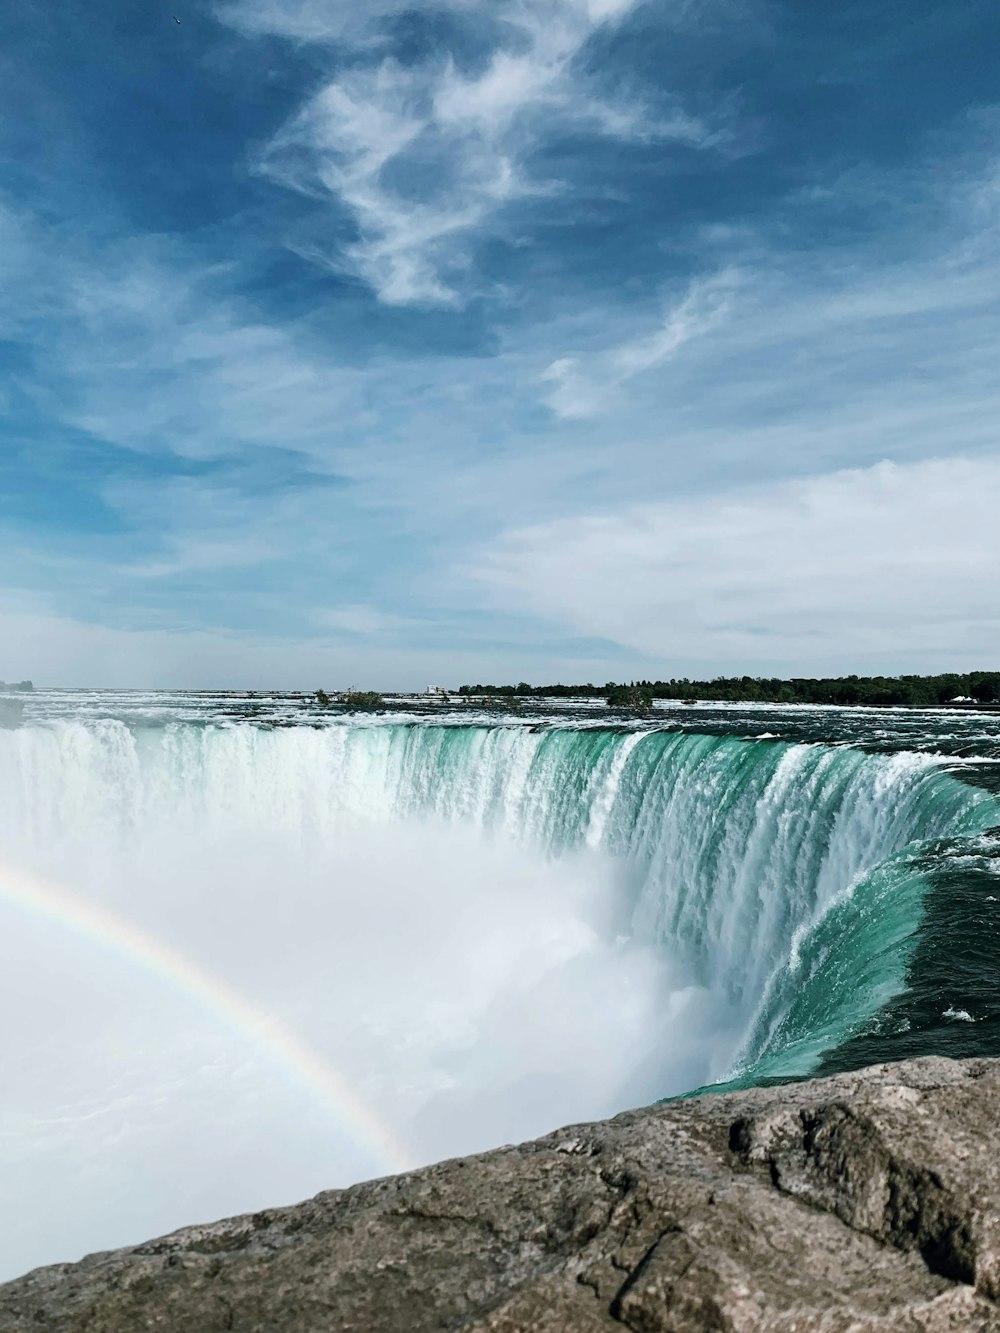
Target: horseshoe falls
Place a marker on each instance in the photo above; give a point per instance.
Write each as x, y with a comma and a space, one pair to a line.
246, 957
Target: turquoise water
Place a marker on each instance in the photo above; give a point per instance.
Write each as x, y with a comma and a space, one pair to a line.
830, 876
482, 928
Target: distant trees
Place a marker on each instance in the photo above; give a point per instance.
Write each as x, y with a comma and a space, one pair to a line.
524, 690
637, 698
365, 701
353, 700
874, 691
638, 695
500, 703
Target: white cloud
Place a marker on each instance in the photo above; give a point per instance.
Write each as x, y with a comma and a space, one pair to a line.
196, 554
62, 650
312, 20
361, 619
827, 365
587, 386
153, 353
424, 157
144, 344
883, 566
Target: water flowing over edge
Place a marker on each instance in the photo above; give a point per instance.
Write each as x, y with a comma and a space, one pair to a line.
787, 880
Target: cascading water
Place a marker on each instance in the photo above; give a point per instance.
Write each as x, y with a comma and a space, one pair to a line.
489, 930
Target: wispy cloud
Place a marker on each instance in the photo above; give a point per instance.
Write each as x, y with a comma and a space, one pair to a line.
885, 566
311, 20
425, 157
587, 386
754, 372
59, 649
145, 343
204, 432
362, 620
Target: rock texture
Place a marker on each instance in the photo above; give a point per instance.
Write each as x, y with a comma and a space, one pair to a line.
868, 1201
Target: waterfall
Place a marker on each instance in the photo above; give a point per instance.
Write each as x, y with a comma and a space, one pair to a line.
733, 851
481, 932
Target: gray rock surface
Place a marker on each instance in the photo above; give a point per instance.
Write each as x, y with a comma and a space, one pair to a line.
869, 1201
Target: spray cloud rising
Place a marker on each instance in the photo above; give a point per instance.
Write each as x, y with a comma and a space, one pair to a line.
253, 963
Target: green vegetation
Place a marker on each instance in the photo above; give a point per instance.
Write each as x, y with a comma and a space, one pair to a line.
353, 700
637, 698
524, 690
501, 703
875, 691
362, 700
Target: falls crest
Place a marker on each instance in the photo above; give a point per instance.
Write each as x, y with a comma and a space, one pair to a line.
774, 875
481, 932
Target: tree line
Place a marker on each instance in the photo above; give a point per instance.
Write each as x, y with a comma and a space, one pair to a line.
363, 701
875, 691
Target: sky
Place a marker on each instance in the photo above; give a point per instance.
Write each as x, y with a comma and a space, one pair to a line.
382, 345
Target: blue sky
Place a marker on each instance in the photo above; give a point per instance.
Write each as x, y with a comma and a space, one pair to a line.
531, 339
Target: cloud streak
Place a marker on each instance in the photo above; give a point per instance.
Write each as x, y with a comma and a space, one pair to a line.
886, 566
588, 386
561, 310
425, 157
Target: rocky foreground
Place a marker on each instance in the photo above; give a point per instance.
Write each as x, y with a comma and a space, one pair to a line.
869, 1201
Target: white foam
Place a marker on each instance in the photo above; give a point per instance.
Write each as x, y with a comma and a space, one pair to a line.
475, 991
959, 1015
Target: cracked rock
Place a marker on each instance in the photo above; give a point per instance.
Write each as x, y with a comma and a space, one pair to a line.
864, 1203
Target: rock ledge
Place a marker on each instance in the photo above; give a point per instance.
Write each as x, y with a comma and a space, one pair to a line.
869, 1201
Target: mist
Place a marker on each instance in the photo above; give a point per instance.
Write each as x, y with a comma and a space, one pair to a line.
470, 989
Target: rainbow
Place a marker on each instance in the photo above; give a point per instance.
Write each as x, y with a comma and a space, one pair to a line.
108, 930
